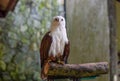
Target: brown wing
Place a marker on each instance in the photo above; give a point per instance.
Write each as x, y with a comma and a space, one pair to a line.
44, 48
66, 52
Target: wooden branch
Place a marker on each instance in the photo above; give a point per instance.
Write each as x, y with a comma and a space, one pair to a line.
6, 6
118, 0
77, 70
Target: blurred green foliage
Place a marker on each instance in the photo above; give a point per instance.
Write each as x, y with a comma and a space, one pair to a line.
20, 35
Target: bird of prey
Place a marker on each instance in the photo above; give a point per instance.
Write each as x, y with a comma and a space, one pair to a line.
55, 45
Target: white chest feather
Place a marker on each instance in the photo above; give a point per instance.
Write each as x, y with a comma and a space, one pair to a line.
59, 38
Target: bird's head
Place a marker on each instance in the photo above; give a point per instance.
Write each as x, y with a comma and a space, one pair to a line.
58, 21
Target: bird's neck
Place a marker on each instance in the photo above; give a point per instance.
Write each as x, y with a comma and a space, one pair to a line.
60, 27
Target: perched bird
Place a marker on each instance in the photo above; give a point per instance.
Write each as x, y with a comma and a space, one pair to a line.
55, 45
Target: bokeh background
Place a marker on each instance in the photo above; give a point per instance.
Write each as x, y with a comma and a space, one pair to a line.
20, 36
88, 30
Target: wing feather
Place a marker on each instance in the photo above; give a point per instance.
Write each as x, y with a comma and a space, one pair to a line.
66, 52
44, 48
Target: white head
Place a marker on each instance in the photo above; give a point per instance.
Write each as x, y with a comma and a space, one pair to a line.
58, 21
59, 35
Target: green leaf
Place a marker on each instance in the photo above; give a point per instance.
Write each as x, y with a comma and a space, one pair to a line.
2, 65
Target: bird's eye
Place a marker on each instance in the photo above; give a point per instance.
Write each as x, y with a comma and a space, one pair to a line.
61, 19
56, 19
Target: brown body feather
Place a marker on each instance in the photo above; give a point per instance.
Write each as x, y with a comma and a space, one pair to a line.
44, 48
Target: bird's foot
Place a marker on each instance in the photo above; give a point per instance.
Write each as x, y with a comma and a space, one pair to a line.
61, 62
49, 60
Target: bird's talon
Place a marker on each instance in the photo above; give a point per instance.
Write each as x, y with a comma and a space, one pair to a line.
61, 62
49, 60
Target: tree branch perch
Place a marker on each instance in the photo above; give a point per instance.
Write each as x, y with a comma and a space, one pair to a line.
76, 70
